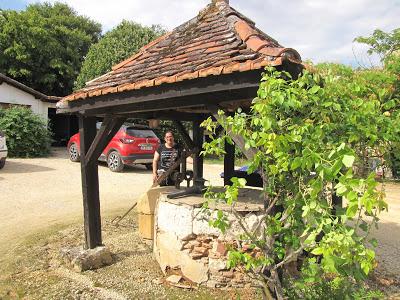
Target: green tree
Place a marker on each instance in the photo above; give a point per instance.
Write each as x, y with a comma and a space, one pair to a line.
382, 43
387, 46
44, 46
27, 133
115, 46
310, 134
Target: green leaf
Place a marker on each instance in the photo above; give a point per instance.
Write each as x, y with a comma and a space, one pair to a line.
340, 188
242, 182
352, 210
373, 242
296, 163
314, 89
348, 160
317, 251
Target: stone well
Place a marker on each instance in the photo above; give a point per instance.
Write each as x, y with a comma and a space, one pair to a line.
184, 240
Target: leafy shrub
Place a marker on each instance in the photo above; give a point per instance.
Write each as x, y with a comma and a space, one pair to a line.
27, 134
395, 161
334, 289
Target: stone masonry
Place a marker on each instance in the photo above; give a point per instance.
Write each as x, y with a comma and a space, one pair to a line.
185, 241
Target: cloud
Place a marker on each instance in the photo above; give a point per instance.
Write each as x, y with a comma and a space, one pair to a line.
320, 30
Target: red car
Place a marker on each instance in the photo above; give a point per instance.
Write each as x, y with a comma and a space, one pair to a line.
133, 144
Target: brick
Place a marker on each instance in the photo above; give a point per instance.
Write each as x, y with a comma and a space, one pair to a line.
221, 249
195, 255
201, 250
228, 274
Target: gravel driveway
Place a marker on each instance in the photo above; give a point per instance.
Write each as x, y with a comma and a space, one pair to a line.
39, 193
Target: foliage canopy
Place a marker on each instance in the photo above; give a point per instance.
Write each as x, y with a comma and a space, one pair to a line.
44, 46
27, 133
115, 46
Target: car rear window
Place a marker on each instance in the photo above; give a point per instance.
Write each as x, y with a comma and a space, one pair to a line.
142, 133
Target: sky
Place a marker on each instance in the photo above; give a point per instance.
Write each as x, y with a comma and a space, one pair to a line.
320, 30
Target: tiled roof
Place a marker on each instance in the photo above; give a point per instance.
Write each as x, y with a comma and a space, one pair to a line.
219, 40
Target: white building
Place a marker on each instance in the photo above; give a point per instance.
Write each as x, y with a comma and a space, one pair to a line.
13, 92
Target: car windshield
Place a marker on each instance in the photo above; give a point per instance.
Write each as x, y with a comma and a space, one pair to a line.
141, 133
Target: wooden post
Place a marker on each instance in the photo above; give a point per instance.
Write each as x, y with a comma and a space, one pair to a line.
90, 184
198, 135
229, 163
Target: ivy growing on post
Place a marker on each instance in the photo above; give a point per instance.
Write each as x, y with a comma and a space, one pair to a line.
313, 135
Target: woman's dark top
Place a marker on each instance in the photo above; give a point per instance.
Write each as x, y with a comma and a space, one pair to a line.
167, 156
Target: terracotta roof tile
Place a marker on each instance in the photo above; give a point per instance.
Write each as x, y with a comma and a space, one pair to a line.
219, 40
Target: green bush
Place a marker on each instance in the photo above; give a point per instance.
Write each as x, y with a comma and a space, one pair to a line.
27, 134
333, 289
395, 161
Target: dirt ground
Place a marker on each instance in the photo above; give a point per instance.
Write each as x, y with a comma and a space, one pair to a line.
38, 196
42, 192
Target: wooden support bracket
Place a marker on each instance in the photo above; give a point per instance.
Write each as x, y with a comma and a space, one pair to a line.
186, 138
239, 141
109, 127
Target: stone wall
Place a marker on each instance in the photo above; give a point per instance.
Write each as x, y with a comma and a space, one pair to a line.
184, 241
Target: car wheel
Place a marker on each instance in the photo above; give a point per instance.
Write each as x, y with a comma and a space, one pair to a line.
149, 166
114, 162
74, 153
2, 163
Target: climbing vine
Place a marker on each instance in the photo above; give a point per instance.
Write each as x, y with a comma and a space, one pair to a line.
314, 138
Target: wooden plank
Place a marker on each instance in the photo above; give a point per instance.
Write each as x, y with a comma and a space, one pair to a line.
108, 129
90, 184
239, 140
229, 163
186, 138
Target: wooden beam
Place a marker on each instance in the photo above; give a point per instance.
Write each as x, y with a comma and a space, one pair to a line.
239, 141
173, 103
109, 127
229, 162
167, 115
186, 138
90, 184
184, 90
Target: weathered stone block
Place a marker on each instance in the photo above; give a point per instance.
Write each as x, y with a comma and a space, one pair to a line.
81, 260
176, 219
216, 265
200, 250
146, 226
148, 201
201, 225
